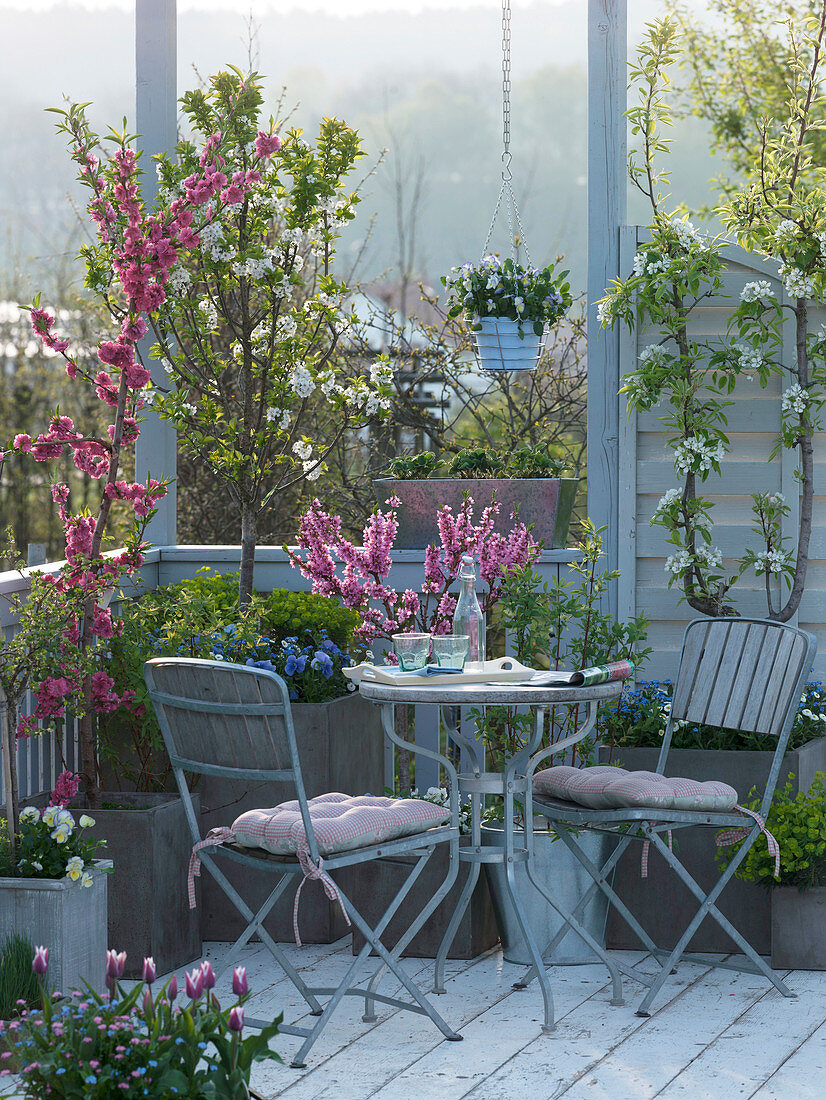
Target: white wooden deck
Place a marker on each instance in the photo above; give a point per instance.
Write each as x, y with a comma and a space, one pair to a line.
714, 1035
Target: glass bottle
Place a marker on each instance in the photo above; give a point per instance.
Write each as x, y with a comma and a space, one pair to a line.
468, 618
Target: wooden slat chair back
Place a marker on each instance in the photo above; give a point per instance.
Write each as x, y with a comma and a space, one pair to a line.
226, 720
738, 674
741, 674
235, 721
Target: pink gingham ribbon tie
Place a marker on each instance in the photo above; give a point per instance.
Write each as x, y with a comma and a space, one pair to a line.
645, 849
213, 838
316, 874
733, 836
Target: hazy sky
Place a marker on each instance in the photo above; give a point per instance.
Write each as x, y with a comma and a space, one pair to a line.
261, 7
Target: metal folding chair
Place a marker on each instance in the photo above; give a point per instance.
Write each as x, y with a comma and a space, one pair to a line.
739, 674
232, 720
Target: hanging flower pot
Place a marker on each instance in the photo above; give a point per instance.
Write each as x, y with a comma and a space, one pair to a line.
501, 346
507, 306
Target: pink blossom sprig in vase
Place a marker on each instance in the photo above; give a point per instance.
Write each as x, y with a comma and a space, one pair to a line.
358, 576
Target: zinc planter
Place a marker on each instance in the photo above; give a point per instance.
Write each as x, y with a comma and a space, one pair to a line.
565, 879
341, 748
147, 840
501, 348
545, 503
375, 884
64, 916
661, 902
798, 928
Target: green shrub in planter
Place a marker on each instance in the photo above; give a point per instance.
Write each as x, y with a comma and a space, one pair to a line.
199, 617
798, 824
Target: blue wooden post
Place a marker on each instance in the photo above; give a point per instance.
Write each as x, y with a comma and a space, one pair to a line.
156, 114
607, 20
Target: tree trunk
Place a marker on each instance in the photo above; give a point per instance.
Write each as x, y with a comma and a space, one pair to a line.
8, 747
88, 757
248, 539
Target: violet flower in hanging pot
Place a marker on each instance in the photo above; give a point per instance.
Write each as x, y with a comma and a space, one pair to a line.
507, 306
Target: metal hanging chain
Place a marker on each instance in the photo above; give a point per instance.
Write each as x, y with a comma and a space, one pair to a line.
506, 190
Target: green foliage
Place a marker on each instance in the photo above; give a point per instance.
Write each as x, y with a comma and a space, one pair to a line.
742, 65
534, 462
480, 462
188, 1051
497, 288
285, 613
798, 824
18, 981
200, 617
52, 844
409, 467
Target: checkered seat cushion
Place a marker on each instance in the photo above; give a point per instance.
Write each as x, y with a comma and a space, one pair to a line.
341, 822
608, 788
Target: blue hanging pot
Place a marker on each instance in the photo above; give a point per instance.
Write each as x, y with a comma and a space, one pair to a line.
500, 347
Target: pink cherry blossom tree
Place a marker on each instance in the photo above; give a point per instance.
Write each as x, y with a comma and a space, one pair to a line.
64, 663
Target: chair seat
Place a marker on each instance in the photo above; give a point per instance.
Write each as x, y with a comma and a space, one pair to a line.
341, 823
570, 813
607, 788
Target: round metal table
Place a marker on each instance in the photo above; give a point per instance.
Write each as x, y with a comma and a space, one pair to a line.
511, 783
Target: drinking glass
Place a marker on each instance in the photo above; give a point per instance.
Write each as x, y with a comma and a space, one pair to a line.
412, 650
451, 650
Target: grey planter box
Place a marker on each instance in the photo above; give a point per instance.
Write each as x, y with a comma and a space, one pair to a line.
149, 845
798, 928
64, 916
341, 748
149, 910
544, 502
373, 886
566, 880
661, 902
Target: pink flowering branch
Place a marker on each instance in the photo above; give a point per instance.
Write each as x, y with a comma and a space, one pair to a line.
358, 575
143, 249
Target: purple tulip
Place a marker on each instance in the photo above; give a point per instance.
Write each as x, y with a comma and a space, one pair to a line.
236, 1018
172, 988
148, 1004
194, 984
208, 975
115, 963
40, 963
239, 981
149, 971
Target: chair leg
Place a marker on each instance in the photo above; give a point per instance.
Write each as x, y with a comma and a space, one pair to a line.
372, 941
255, 924
418, 923
599, 876
572, 924
707, 908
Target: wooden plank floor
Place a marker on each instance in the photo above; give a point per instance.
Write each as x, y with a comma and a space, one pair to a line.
713, 1035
